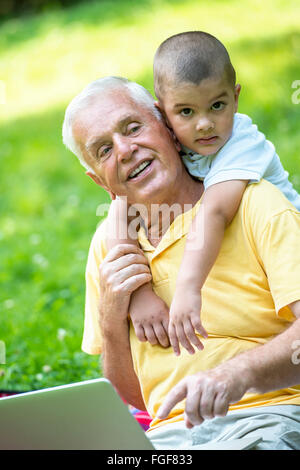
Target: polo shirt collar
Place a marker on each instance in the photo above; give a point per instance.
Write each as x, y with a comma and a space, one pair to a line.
178, 229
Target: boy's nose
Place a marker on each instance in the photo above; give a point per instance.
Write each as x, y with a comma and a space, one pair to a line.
204, 124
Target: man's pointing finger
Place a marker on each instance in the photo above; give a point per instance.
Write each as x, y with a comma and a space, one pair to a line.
177, 394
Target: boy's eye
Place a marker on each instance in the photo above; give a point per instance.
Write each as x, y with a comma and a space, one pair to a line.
218, 105
186, 112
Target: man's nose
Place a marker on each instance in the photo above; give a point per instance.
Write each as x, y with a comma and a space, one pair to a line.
124, 148
204, 124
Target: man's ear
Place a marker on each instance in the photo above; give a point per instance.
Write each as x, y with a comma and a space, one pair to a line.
98, 181
160, 107
176, 141
237, 91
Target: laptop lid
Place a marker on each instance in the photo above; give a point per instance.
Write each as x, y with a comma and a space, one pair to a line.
83, 415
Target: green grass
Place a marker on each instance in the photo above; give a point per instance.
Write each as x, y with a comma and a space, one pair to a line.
47, 204
46, 229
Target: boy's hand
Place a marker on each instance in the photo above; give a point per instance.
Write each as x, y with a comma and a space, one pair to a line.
184, 320
150, 316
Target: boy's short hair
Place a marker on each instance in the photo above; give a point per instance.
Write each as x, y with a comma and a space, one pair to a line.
191, 57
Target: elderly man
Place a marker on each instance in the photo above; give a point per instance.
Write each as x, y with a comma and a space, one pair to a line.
244, 381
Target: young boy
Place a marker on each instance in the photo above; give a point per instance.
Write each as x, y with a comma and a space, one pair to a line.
195, 84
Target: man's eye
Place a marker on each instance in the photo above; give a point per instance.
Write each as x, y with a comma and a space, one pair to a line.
186, 112
133, 129
218, 105
104, 151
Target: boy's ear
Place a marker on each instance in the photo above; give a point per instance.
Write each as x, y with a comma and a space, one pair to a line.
98, 181
237, 91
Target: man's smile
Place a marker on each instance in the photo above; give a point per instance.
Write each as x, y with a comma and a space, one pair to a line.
140, 170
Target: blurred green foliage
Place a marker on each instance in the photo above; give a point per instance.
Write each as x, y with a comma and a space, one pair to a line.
21, 8
47, 204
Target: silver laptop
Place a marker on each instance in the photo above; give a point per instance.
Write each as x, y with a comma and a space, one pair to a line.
85, 415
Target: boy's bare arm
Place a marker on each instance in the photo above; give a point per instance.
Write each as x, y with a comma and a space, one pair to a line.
219, 204
117, 224
148, 312
218, 207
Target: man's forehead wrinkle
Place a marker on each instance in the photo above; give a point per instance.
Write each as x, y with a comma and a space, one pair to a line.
118, 125
103, 116
90, 143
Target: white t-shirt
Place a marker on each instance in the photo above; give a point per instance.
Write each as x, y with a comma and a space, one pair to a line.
247, 155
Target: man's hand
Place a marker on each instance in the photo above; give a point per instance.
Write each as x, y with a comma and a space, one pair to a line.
185, 319
123, 270
208, 394
261, 369
150, 316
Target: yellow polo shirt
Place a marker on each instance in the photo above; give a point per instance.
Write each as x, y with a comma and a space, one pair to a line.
244, 299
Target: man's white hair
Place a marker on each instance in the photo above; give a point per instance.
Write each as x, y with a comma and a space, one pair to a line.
137, 92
